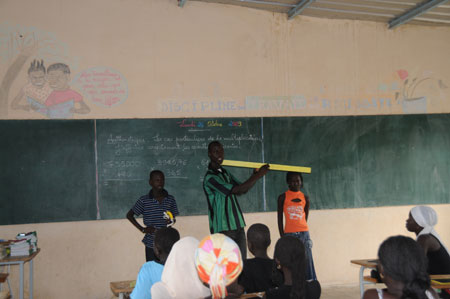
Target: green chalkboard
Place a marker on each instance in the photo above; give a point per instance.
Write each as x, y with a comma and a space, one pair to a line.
64, 170
363, 161
47, 171
129, 149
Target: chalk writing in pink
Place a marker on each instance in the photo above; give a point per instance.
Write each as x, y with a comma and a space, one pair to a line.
184, 124
104, 86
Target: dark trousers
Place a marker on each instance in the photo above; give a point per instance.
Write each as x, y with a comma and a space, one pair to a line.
149, 254
238, 236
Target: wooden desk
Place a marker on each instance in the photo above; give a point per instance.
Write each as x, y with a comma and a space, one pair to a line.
372, 264
21, 260
435, 284
119, 288
364, 264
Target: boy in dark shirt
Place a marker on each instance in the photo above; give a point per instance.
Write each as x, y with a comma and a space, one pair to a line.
152, 206
257, 273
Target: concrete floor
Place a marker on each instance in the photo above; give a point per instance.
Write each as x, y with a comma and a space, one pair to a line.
340, 292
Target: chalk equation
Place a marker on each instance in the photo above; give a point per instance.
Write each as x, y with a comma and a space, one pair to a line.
177, 150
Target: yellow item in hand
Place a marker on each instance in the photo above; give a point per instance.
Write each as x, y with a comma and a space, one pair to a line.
169, 216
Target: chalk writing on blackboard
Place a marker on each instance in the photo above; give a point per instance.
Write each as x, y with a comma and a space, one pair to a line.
164, 152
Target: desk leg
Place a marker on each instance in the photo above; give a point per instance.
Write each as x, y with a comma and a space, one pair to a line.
361, 280
30, 282
21, 281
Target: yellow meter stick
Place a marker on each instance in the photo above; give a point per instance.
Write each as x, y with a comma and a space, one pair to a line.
272, 166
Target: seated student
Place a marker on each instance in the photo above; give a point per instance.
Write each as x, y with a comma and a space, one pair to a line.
219, 263
151, 272
403, 268
290, 258
257, 273
179, 279
421, 221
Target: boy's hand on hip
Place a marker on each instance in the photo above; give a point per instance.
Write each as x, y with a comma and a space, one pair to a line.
148, 230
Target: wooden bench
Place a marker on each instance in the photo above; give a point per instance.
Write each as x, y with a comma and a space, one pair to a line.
120, 288
4, 294
252, 295
3, 277
436, 284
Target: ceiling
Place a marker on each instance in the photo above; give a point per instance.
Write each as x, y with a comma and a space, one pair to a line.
392, 12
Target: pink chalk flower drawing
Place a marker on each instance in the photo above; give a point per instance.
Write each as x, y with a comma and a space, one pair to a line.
410, 84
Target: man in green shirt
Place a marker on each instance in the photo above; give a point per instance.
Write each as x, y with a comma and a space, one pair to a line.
221, 188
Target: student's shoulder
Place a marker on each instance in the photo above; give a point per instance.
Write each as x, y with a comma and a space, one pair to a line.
210, 176
144, 197
258, 262
427, 239
170, 197
152, 265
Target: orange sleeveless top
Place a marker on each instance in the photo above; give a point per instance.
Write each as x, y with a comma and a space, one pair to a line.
294, 212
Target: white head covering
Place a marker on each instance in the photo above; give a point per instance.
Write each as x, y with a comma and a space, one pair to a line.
179, 279
427, 218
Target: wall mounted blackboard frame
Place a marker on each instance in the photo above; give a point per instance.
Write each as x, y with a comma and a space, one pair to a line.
74, 170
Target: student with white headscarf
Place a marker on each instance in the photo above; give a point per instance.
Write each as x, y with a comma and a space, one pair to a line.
421, 221
179, 279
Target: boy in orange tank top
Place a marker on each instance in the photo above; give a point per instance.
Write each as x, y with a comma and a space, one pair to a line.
294, 205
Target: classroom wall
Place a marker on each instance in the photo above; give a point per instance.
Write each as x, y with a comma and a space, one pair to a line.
152, 59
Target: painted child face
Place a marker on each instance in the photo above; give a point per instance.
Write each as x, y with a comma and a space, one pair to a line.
216, 154
157, 181
58, 80
37, 78
294, 183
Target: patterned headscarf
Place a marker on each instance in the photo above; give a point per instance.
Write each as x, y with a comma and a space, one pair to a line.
427, 218
219, 263
179, 279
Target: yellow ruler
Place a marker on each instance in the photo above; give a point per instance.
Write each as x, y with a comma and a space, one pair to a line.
272, 166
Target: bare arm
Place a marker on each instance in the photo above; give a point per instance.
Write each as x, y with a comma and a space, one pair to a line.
146, 230
248, 184
281, 199
306, 207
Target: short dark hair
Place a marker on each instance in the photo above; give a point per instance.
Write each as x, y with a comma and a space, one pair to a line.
212, 144
165, 238
36, 65
156, 172
259, 235
291, 174
59, 67
404, 260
